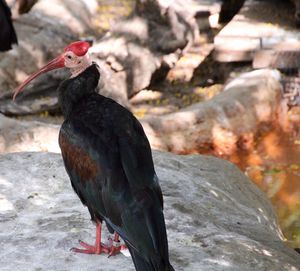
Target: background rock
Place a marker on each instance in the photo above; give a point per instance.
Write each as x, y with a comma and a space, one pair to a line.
220, 124
247, 102
42, 35
134, 52
142, 48
258, 25
18, 136
216, 218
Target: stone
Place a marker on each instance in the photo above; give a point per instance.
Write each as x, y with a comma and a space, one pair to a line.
216, 218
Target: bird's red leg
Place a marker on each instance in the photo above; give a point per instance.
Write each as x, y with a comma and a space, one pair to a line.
116, 246
98, 248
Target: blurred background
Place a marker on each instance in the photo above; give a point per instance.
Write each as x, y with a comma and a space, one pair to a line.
192, 71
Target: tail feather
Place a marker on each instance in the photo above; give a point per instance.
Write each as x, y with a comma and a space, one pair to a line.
142, 265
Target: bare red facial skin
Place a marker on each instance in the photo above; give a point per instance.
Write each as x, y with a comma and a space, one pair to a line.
79, 48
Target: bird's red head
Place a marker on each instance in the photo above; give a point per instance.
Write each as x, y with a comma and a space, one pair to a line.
79, 48
74, 57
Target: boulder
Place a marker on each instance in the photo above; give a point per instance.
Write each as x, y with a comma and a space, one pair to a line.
216, 218
221, 124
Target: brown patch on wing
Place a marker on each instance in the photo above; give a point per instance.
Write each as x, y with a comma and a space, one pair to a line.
78, 159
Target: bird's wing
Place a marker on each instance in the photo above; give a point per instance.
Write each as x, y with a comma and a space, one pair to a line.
136, 157
84, 170
143, 224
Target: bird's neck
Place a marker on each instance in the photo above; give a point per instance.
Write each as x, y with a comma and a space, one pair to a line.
77, 88
85, 63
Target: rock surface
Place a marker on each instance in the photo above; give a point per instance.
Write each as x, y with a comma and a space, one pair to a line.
216, 218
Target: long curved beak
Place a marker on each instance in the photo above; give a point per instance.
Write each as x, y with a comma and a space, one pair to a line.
56, 63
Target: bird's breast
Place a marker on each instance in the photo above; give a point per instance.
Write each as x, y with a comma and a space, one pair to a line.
78, 160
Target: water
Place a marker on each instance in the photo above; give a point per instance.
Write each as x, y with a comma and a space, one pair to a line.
273, 163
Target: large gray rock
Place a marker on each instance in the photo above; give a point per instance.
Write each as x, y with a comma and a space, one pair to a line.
216, 218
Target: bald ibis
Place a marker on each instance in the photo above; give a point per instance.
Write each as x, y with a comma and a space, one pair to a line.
108, 159
7, 32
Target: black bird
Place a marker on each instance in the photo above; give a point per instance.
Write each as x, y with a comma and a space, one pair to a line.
108, 158
7, 32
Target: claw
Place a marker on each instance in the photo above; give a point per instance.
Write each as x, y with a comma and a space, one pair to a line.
88, 246
85, 245
88, 249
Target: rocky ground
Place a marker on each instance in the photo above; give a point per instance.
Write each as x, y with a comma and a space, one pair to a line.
216, 218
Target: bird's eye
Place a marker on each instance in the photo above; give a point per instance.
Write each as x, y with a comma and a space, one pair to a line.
69, 57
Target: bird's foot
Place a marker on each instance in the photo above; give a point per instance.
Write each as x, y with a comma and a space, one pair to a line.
89, 249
